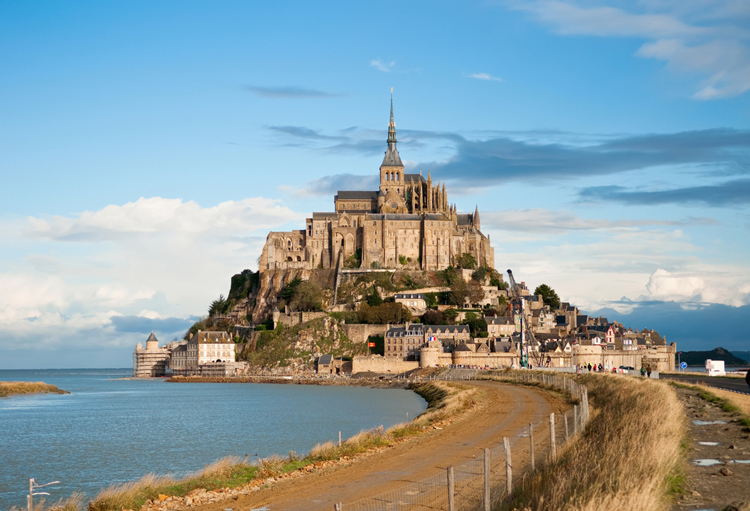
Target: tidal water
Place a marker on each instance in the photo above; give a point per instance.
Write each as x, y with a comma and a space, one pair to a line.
110, 430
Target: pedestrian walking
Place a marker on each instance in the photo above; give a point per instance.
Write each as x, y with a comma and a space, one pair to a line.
643, 371
648, 370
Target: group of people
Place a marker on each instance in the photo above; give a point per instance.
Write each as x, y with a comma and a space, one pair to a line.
645, 370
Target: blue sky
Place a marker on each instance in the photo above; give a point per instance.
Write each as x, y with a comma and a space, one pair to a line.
146, 149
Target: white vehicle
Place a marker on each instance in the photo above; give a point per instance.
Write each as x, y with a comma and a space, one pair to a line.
715, 367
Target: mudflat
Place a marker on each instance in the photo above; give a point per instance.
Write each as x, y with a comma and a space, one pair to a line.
502, 410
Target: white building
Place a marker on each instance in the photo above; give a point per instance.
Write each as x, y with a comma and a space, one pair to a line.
201, 349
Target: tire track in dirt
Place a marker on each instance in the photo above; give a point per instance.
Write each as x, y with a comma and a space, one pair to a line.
504, 410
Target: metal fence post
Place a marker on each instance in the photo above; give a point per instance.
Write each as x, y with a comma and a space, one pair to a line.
552, 446
487, 486
531, 446
508, 467
451, 490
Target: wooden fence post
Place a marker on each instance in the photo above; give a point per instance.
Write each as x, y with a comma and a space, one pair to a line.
508, 467
575, 420
339, 438
337, 506
567, 433
552, 446
487, 487
531, 446
451, 490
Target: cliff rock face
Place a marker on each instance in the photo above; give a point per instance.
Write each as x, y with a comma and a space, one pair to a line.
273, 281
295, 349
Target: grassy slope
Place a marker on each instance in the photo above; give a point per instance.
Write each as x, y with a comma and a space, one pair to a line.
629, 456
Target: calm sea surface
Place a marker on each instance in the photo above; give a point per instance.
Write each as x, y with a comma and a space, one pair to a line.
111, 430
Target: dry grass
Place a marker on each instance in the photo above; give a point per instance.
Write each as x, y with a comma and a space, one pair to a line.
227, 472
72, 503
10, 388
629, 456
444, 399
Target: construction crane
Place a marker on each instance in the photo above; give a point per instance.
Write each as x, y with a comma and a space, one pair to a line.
516, 304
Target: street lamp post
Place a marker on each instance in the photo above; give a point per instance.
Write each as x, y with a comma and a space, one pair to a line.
33, 486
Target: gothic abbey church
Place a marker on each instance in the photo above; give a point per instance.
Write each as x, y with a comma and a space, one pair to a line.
406, 224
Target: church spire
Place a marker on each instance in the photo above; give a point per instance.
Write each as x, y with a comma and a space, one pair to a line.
391, 125
392, 159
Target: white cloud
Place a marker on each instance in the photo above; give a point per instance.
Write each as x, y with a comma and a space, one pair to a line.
485, 76
385, 67
708, 37
152, 258
158, 215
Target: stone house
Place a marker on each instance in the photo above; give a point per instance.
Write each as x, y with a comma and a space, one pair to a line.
500, 326
416, 303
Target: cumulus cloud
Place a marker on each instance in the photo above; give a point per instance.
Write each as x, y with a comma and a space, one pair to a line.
106, 277
159, 215
708, 37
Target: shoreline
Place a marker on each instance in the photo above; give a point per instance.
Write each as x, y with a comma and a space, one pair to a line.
375, 383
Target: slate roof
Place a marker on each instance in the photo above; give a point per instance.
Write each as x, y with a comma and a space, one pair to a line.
356, 195
399, 331
391, 158
325, 360
501, 320
152, 337
463, 220
414, 177
439, 329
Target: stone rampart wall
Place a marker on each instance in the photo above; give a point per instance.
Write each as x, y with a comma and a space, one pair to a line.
379, 364
360, 333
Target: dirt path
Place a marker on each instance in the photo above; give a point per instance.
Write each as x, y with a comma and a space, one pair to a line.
505, 410
715, 479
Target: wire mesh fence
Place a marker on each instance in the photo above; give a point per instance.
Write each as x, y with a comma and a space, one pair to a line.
483, 482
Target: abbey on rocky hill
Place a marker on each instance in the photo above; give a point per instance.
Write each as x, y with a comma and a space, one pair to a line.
406, 224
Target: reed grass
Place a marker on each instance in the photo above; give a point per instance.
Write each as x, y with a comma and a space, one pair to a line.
628, 457
72, 503
10, 388
444, 399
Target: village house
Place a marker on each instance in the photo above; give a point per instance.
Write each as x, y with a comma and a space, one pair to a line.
416, 303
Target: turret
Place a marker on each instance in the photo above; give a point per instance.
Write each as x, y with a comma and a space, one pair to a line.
475, 221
